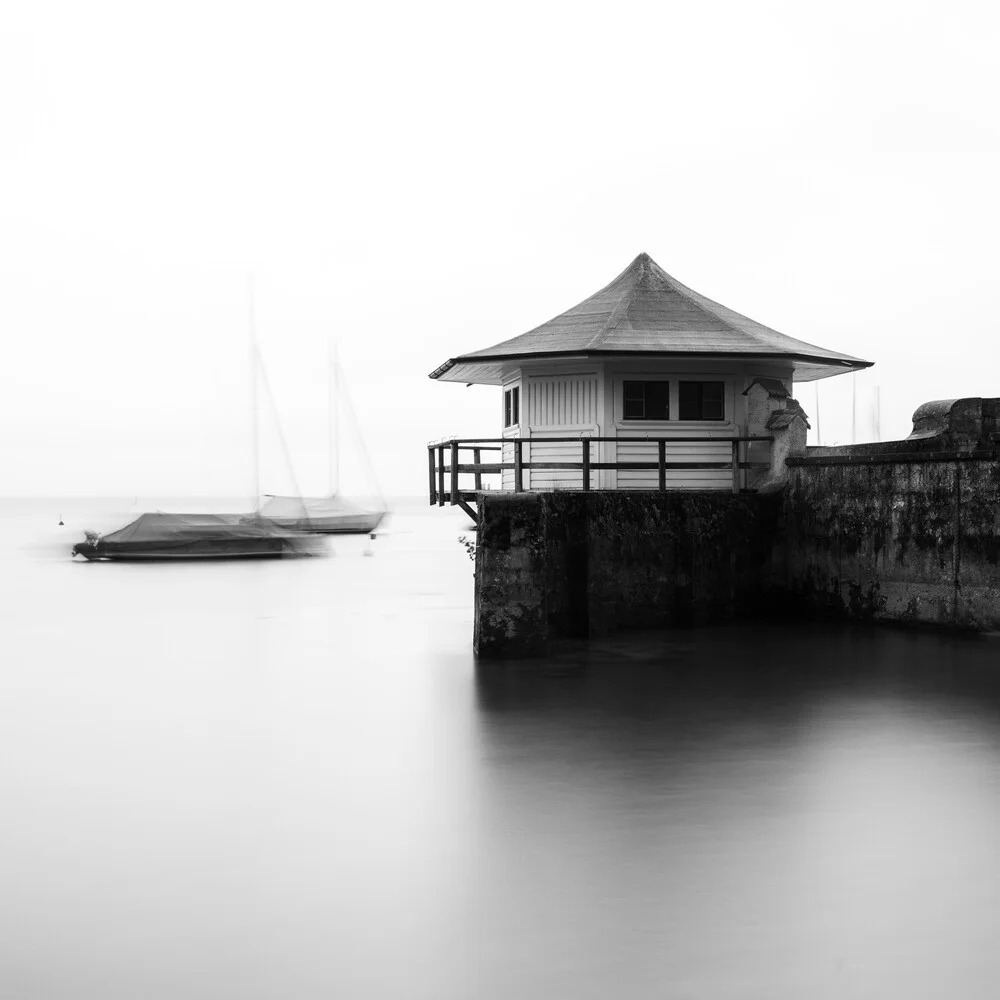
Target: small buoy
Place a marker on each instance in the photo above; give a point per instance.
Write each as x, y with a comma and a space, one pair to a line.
60, 519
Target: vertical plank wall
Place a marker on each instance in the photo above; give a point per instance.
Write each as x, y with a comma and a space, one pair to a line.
563, 406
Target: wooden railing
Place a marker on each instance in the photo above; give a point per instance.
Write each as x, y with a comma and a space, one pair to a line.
444, 462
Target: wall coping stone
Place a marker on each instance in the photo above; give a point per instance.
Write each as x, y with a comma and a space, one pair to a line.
894, 457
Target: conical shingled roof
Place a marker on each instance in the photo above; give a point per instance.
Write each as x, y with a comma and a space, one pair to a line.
645, 311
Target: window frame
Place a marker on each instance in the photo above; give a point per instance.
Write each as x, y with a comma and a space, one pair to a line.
644, 382
673, 425
512, 406
701, 383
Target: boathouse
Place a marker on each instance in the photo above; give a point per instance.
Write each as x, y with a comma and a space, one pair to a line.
645, 385
653, 472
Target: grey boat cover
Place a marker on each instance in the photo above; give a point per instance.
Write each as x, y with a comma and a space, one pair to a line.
157, 527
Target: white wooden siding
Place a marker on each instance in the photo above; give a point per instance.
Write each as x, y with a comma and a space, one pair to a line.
563, 406
562, 401
568, 404
507, 476
678, 479
552, 451
570, 450
515, 430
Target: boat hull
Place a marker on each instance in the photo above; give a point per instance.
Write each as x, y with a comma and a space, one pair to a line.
332, 515
158, 555
341, 524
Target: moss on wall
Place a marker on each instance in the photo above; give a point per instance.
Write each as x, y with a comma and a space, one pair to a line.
913, 540
906, 540
572, 564
510, 577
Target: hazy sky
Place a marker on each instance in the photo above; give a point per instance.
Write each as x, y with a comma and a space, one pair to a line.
421, 180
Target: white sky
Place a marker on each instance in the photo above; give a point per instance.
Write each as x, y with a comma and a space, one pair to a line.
421, 180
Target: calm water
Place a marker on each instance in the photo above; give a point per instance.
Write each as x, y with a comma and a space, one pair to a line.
290, 780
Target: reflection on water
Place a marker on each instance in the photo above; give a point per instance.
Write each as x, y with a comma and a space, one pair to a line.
756, 810
292, 780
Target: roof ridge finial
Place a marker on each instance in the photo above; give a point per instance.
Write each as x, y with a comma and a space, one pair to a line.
642, 265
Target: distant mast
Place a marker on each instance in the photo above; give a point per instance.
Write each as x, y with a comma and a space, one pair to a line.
254, 417
331, 417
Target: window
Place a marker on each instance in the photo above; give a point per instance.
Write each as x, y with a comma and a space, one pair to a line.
702, 401
646, 400
512, 406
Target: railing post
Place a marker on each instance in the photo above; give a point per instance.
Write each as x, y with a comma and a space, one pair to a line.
518, 467
476, 453
430, 467
662, 459
736, 465
586, 463
441, 475
454, 472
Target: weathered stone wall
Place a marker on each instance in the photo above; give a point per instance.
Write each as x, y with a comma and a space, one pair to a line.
512, 566
680, 558
576, 564
901, 530
908, 539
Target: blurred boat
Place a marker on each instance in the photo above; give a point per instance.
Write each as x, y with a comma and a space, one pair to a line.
158, 536
322, 515
331, 514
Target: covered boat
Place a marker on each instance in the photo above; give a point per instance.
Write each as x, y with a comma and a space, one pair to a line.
196, 536
324, 515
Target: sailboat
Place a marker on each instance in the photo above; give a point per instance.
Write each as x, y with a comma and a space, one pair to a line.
159, 535
331, 514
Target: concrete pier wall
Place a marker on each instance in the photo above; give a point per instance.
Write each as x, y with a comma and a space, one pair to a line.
902, 530
905, 531
585, 564
904, 540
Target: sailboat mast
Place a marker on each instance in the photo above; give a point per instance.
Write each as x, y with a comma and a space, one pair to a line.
254, 415
332, 429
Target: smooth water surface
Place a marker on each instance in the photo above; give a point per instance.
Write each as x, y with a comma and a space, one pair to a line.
291, 779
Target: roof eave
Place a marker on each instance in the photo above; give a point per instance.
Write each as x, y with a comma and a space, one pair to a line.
813, 366
471, 372
441, 369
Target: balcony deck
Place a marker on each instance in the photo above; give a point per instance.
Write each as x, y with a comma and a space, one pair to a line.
445, 463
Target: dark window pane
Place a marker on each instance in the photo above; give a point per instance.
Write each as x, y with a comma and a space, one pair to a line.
689, 402
646, 400
713, 404
702, 401
506, 408
515, 405
635, 401
657, 400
